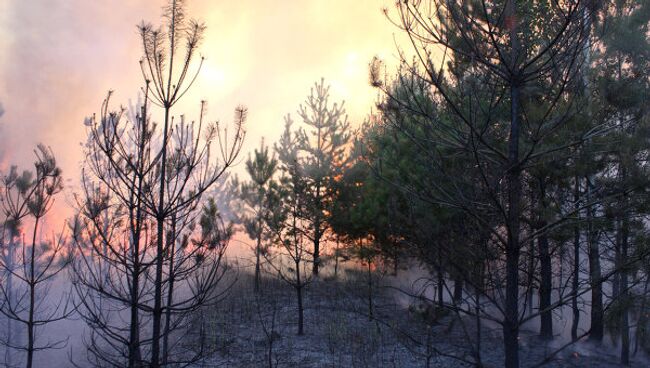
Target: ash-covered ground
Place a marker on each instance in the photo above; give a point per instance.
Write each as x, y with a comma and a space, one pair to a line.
248, 329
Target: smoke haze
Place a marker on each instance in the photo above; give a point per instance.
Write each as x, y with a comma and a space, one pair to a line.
59, 58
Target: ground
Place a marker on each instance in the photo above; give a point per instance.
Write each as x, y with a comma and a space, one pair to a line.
259, 330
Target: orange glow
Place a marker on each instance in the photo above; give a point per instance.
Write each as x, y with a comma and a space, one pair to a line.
59, 58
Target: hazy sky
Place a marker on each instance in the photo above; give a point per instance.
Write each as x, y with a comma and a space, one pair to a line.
58, 58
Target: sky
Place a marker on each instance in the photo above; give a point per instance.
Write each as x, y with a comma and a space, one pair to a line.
58, 59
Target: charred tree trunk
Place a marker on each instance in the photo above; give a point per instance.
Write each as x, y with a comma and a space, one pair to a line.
160, 219
336, 258
134, 324
597, 313
575, 282
370, 302
171, 247
643, 317
10, 292
530, 279
317, 226
317, 236
135, 356
441, 280
477, 291
546, 314
458, 290
514, 187
546, 271
258, 250
511, 322
624, 294
297, 258
616, 278
32, 299
301, 311
593, 254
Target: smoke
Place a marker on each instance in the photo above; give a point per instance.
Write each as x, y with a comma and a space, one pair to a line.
60, 60
61, 57
2, 134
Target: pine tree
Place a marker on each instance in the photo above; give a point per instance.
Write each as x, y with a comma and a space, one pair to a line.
257, 201
322, 159
621, 94
506, 49
142, 188
288, 220
37, 263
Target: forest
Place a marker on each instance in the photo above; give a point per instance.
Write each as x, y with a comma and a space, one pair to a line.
491, 210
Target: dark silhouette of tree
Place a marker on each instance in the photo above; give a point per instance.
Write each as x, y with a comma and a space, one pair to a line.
619, 79
143, 186
33, 264
287, 222
505, 77
115, 237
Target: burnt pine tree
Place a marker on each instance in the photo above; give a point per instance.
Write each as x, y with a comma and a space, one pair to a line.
115, 268
112, 236
168, 56
37, 262
142, 191
14, 211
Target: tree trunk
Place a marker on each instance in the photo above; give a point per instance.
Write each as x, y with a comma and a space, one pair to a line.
546, 314
597, 327
624, 294
596, 330
170, 294
441, 280
370, 314
477, 291
10, 294
530, 279
643, 317
135, 357
257, 260
301, 311
616, 291
317, 226
32, 299
511, 322
513, 182
157, 309
134, 323
317, 236
160, 218
336, 259
458, 290
575, 284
